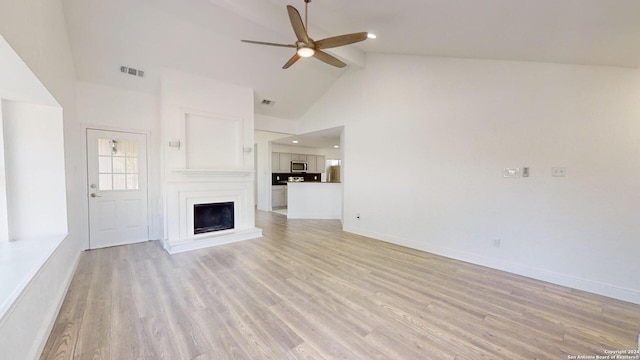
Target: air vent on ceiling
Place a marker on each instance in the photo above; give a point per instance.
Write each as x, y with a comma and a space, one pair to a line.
131, 71
268, 102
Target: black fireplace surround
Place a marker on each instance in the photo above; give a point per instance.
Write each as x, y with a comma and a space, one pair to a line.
212, 217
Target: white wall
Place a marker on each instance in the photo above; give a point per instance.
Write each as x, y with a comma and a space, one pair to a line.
34, 160
36, 30
430, 137
184, 94
105, 107
275, 124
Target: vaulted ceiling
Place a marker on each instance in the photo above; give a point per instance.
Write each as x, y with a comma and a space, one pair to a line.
203, 37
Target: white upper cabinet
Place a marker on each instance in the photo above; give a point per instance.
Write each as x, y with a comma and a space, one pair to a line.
285, 163
311, 163
275, 162
320, 163
281, 162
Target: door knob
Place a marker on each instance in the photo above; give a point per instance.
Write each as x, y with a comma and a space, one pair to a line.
93, 195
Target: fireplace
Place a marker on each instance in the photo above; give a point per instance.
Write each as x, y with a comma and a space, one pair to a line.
212, 217
196, 214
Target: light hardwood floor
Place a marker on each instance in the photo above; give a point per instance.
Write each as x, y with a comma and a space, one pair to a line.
307, 290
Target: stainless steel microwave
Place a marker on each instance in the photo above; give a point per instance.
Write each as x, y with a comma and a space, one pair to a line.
298, 166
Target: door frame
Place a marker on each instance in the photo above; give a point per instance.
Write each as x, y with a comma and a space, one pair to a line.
85, 176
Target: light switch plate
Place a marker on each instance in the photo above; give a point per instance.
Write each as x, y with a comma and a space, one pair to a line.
511, 172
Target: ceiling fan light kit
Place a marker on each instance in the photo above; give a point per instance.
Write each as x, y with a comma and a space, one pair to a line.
307, 47
305, 51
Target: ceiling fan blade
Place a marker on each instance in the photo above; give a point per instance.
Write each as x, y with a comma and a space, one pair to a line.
298, 25
268, 43
329, 59
341, 40
291, 61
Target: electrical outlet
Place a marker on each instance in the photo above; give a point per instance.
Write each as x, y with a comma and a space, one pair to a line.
559, 172
496, 243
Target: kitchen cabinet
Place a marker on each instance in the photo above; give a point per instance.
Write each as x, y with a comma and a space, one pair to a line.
275, 162
315, 163
311, 163
281, 162
278, 196
320, 163
285, 162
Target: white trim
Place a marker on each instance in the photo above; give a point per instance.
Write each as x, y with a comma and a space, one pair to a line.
595, 287
5, 236
85, 174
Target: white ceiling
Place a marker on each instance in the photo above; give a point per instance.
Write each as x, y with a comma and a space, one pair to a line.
323, 139
203, 37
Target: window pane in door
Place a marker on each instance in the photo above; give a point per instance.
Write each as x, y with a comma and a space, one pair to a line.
105, 182
132, 165
117, 164
118, 147
104, 164
132, 148
104, 147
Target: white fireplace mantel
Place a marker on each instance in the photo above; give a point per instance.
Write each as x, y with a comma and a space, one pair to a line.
193, 187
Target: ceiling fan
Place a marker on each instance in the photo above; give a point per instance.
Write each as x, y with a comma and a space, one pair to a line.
306, 46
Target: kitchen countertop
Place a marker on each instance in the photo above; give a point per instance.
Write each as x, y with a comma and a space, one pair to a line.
279, 183
314, 182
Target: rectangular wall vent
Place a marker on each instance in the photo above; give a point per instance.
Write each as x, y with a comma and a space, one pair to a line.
131, 71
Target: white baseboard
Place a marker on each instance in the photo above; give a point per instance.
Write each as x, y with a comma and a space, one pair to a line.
574, 282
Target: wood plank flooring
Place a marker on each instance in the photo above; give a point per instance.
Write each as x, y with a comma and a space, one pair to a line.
307, 290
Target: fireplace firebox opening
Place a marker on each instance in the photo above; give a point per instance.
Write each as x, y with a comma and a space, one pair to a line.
212, 217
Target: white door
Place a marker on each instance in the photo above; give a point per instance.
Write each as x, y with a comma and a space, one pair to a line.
117, 188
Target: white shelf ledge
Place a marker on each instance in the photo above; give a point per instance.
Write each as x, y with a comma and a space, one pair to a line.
20, 262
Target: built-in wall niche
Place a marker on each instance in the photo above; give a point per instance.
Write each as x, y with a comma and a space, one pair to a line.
213, 141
